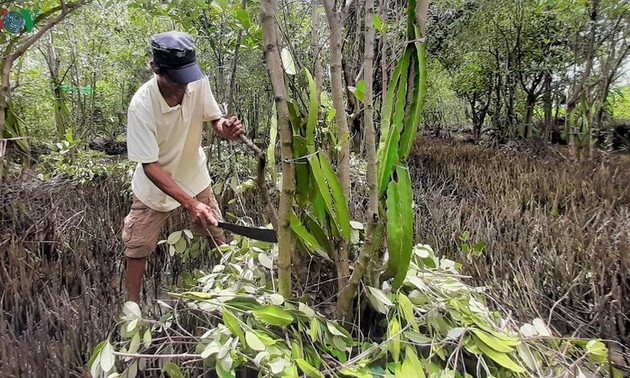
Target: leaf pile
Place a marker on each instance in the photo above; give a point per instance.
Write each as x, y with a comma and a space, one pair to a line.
436, 326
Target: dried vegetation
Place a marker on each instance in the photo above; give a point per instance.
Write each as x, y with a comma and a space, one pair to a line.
556, 234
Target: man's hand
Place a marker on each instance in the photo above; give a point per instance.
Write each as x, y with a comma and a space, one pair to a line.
201, 214
231, 128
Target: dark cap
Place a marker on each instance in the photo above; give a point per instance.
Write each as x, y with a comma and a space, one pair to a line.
174, 53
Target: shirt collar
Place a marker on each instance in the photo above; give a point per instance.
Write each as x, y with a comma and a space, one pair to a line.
164, 107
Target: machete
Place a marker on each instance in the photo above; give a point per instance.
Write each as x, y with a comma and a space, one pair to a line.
263, 234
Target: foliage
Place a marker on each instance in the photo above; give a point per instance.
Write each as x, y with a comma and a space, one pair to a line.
69, 160
434, 324
621, 103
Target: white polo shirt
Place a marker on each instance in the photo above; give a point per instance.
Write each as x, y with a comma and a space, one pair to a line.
172, 137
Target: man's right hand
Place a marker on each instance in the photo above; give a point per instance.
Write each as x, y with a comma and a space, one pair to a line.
202, 214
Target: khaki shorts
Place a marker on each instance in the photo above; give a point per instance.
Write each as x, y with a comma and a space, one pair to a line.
142, 226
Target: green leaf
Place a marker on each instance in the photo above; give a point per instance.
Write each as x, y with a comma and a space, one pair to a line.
377, 23
597, 351
232, 324
243, 18
411, 366
314, 330
378, 299
188, 234
399, 225
210, 349
318, 175
273, 315
172, 370
391, 128
253, 341
223, 372
498, 357
406, 308
393, 335
492, 341
331, 114
147, 338
307, 368
134, 344
358, 91
265, 261
405, 195
95, 359
174, 237
131, 310
309, 240
287, 62
318, 232
107, 357
131, 326
541, 327
341, 204
418, 338
180, 245
336, 330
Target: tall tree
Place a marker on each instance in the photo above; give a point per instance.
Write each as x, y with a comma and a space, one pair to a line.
16, 45
335, 16
274, 65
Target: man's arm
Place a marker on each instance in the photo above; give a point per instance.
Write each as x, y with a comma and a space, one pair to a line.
200, 213
228, 128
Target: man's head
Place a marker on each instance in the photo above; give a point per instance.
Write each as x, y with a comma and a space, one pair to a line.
174, 55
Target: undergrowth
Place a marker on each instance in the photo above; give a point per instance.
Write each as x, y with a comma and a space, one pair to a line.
435, 325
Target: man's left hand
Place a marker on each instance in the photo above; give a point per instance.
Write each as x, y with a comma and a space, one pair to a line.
232, 128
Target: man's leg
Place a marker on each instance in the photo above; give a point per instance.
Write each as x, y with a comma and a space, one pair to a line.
133, 280
140, 234
215, 235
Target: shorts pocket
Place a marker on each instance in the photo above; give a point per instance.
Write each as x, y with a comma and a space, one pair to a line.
127, 231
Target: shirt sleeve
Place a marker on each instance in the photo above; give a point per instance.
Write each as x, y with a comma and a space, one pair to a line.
142, 146
211, 110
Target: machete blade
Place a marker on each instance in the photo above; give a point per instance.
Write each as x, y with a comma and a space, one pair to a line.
262, 234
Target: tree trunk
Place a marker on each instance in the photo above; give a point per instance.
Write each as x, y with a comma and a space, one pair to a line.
347, 294
62, 114
530, 104
276, 73
384, 45
547, 107
316, 50
343, 157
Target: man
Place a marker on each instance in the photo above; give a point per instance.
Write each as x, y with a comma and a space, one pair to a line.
164, 134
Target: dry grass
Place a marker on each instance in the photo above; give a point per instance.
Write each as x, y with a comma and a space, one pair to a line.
557, 238
61, 270
557, 233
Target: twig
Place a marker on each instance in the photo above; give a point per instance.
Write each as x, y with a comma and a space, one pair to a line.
158, 356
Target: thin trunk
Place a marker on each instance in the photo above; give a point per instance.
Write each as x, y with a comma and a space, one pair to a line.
232, 89
316, 50
276, 73
343, 157
530, 104
384, 44
5, 91
344, 303
547, 106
